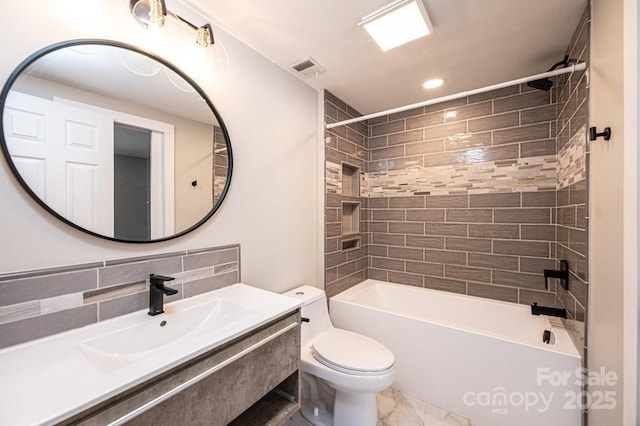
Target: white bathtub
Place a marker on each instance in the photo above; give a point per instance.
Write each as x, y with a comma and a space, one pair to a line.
479, 358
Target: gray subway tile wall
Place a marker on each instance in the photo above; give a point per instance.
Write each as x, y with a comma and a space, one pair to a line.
472, 196
491, 257
505, 294
36, 304
495, 200
220, 164
572, 195
348, 145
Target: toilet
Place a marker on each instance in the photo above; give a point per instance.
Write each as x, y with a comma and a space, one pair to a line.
353, 366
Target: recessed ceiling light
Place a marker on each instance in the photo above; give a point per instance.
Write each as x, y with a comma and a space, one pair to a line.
397, 23
434, 83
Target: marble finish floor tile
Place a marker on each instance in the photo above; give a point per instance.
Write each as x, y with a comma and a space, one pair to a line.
398, 409
440, 417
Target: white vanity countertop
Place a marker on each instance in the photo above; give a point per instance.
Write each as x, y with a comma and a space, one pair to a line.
47, 380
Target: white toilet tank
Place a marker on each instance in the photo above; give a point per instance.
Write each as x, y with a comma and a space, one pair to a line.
314, 308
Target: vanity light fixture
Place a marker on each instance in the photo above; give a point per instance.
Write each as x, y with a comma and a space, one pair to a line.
397, 23
151, 13
205, 36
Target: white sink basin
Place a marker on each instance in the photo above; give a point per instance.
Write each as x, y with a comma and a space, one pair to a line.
132, 342
75, 370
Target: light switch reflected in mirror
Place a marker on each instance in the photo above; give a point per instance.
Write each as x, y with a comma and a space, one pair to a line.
109, 138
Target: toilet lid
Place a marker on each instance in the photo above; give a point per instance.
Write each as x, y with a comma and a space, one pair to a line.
351, 351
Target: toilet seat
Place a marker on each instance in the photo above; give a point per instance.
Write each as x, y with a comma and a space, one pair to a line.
351, 353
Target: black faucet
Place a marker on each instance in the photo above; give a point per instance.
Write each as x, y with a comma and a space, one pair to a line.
562, 274
157, 290
547, 310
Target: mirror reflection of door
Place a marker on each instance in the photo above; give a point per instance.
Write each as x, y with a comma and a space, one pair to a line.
132, 182
159, 138
64, 154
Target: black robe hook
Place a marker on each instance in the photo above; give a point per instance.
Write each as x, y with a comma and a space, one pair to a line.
593, 135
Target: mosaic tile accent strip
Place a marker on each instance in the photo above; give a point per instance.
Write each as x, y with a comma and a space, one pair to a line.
224, 268
113, 292
518, 175
61, 303
521, 175
572, 160
218, 186
220, 163
19, 311
364, 185
333, 178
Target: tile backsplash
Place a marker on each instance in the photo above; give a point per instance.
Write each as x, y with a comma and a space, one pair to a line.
35, 304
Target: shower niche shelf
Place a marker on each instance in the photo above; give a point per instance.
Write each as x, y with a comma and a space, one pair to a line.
350, 218
350, 180
349, 244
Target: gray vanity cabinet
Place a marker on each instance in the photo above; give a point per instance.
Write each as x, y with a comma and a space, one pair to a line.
217, 387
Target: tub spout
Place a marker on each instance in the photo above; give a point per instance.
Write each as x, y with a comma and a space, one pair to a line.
547, 310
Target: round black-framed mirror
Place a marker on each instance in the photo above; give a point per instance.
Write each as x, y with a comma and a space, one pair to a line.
115, 141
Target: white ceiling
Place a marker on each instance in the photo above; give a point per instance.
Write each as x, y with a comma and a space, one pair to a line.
120, 74
476, 43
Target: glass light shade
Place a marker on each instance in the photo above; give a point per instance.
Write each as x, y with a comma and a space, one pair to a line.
138, 64
205, 36
149, 13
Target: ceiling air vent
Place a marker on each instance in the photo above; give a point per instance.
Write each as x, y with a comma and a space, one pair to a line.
306, 68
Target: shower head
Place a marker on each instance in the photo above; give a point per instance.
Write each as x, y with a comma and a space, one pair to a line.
544, 83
